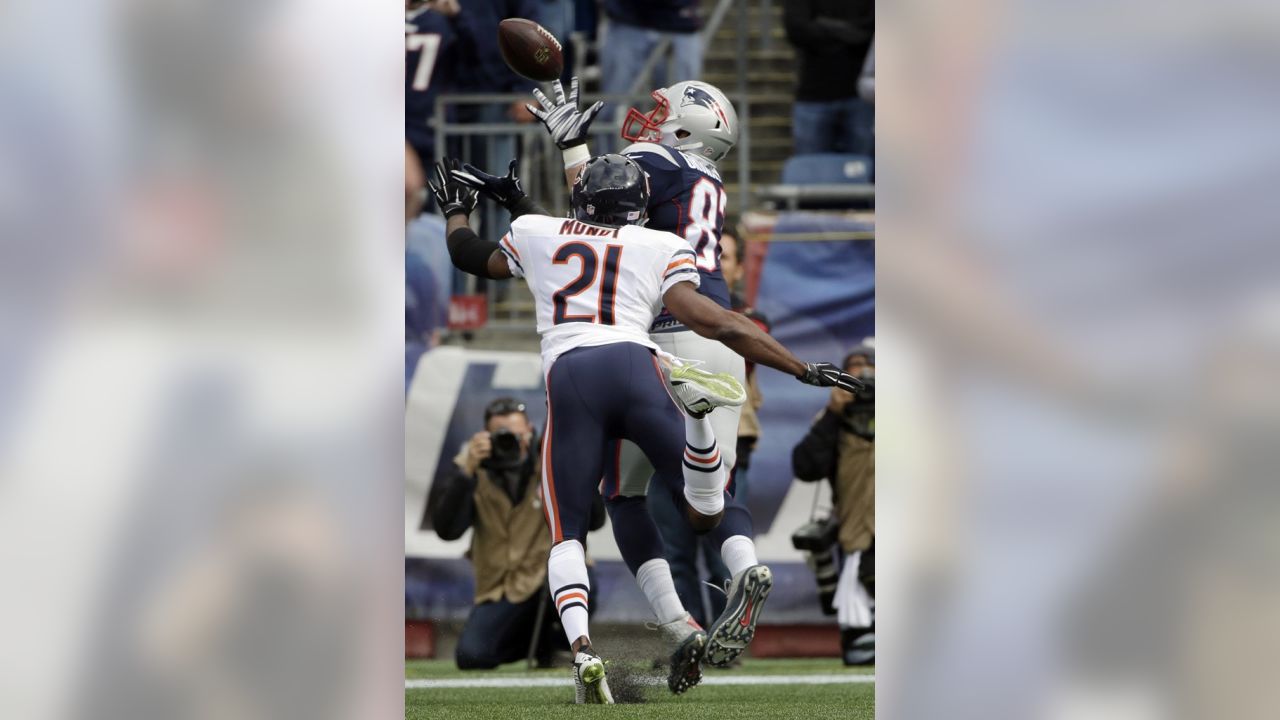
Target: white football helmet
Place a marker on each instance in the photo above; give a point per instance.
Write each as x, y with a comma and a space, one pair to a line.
696, 108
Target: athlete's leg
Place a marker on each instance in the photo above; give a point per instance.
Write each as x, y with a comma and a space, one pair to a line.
682, 449
637, 537
736, 527
678, 539
716, 358
731, 632
573, 454
572, 462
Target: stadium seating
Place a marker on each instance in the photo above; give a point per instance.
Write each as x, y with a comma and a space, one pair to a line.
831, 181
827, 169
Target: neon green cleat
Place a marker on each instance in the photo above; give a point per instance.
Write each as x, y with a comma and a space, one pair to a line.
590, 685
700, 391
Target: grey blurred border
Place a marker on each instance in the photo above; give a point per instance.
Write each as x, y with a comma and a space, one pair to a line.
1078, 334
201, 428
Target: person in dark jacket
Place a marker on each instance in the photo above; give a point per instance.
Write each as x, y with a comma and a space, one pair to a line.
832, 38
493, 489
840, 447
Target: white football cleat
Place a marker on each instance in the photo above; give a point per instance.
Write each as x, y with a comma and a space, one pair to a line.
689, 641
590, 685
700, 391
733, 630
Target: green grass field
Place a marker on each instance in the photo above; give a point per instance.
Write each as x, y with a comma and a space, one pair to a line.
846, 701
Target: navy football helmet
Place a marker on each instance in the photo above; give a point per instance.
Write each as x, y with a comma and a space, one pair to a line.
611, 190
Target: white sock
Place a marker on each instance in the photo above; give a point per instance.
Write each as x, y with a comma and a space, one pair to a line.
704, 478
567, 577
738, 553
654, 579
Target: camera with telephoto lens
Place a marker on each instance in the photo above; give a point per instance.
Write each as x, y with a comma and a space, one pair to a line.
816, 539
816, 535
505, 450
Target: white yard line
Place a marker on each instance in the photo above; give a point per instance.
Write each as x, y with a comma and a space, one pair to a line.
519, 682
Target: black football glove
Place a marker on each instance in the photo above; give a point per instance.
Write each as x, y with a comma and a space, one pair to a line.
452, 196
567, 126
504, 190
827, 375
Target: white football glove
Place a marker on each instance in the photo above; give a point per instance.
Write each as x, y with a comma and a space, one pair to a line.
567, 126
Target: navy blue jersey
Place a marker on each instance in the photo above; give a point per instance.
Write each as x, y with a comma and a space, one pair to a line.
434, 48
686, 197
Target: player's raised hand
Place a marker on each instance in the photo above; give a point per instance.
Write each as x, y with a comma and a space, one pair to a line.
828, 375
504, 190
452, 196
567, 126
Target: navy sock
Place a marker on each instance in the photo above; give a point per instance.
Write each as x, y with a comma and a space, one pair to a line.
736, 521
633, 529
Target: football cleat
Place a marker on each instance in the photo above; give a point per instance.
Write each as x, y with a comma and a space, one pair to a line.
686, 660
590, 685
700, 391
733, 630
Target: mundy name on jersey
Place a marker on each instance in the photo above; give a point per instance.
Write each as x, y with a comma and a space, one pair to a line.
595, 285
686, 197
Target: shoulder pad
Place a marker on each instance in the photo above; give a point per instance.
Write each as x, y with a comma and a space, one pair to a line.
653, 150
531, 222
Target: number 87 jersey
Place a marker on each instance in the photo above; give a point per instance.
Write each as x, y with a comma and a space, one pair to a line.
595, 284
686, 197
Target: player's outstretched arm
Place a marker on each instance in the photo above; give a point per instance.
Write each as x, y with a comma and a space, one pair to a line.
468, 252
567, 127
744, 337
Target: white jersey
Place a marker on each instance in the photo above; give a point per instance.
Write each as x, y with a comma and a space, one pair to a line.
592, 284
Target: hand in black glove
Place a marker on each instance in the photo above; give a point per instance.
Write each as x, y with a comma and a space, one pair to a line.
504, 190
452, 196
828, 375
567, 126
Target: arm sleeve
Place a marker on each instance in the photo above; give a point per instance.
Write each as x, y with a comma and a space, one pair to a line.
679, 267
452, 504
469, 253
814, 458
526, 206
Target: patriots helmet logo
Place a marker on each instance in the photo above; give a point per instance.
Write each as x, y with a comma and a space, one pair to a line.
698, 96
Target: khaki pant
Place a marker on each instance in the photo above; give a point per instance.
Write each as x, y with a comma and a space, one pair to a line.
688, 345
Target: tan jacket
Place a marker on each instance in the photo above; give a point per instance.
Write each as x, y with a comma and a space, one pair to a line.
855, 490
509, 544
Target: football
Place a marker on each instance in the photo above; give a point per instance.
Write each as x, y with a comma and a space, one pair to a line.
530, 50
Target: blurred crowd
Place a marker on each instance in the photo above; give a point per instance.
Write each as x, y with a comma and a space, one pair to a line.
451, 48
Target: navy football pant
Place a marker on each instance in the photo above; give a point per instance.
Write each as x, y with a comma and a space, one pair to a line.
596, 397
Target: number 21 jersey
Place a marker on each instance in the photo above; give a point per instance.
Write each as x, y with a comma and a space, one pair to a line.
592, 284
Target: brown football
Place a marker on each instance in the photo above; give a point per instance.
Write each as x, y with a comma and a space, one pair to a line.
530, 50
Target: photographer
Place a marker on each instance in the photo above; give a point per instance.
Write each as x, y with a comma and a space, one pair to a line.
840, 446
493, 489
